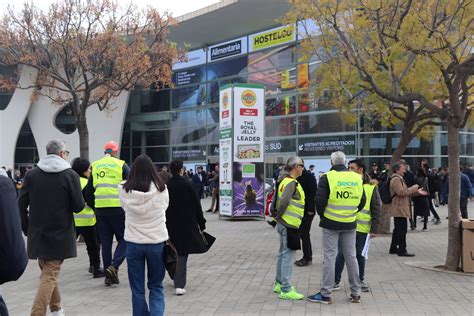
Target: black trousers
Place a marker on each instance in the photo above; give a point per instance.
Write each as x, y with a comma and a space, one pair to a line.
92, 243
463, 207
305, 228
433, 211
3, 307
399, 236
180, 275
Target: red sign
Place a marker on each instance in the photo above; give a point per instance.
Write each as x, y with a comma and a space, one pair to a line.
225, 113
248, 112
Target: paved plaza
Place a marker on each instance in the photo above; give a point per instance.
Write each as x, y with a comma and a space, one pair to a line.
236, 278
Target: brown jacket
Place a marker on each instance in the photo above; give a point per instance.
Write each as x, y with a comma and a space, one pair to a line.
401, 203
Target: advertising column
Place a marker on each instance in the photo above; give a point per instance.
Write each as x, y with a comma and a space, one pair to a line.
241, 152
248, 183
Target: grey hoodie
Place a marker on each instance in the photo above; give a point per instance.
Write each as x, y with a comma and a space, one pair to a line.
53, 164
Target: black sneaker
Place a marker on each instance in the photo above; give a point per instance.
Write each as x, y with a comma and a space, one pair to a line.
272, 223
208, 211
406, 254
355, 298
111, 273
98, 273
337, 286
91, 269
303, 262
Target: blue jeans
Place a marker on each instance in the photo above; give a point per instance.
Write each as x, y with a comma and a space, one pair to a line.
284, 260
360, 243
107, 227
152, 254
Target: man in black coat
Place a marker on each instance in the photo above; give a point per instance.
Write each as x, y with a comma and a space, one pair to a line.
308, 183
13, 259
199, 179
52, 192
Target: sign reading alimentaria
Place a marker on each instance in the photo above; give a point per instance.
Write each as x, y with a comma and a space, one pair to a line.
227, 49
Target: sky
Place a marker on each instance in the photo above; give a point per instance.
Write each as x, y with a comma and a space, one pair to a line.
176, 7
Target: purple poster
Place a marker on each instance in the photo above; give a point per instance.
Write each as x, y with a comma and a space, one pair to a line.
248, 187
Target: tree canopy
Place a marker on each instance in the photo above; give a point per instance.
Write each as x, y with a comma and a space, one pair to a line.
87, 52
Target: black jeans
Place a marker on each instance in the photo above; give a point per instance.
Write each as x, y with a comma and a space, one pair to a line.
181, 269
433, 210
92, 243
305, 228
3, 307
399, 236
463, 207
107, 227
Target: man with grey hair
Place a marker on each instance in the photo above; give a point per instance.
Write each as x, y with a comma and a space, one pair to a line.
51, 193
340, 195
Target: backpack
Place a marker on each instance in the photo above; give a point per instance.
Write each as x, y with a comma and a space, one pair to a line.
384, 190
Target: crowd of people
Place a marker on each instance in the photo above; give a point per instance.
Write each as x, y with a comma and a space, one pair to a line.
140, 207
143, 208
350, 201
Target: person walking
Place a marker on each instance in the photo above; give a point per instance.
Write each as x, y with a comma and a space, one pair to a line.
144, 198
85, 221
368, 220
51, 193
421, 204
308, 183
339, 197
13, 256
102, 195
199, 180
215, 192
289, 203
466, 192
400, 209
185, 222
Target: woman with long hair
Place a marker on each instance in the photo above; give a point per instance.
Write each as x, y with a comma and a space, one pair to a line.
144, 198
185, 222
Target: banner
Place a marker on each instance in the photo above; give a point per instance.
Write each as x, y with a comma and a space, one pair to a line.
273, 37
248, 189
227, 49
225, 152
249, 107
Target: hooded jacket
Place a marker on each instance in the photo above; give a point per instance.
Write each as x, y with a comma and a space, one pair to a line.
13, 259
145, 215
51, 193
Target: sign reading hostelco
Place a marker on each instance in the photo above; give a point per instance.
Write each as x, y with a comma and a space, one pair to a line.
276, 36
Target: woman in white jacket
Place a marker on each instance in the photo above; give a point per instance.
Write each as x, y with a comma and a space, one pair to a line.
144, 198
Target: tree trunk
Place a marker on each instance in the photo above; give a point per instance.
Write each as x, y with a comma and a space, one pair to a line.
83, 135
454, 233
405, 139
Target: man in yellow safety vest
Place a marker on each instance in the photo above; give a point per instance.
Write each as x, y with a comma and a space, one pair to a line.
368, 220
85, 221
102, 194
340, 195
289, 202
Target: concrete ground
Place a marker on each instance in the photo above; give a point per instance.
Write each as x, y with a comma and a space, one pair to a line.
236, 278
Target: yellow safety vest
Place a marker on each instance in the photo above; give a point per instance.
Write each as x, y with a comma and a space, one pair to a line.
346, 190
86, 217
363, 217
295, 210
106, 175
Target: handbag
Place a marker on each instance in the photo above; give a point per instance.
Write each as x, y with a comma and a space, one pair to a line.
207, 239
170, 258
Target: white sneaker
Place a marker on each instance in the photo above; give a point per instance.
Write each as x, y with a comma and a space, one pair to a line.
58, 313
180, 291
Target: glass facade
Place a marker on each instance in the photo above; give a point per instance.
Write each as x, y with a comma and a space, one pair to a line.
182, 121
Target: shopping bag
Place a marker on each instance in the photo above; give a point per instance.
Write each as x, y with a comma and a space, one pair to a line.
170, 258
